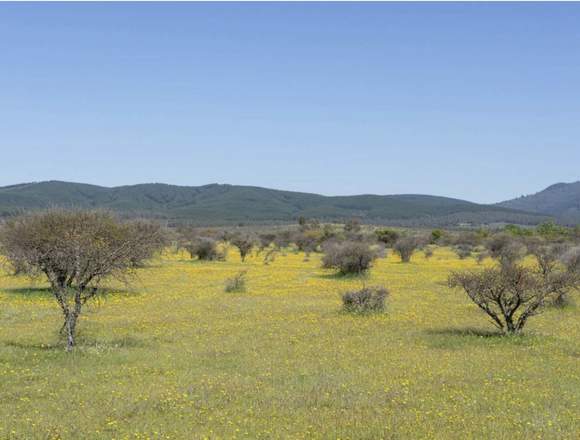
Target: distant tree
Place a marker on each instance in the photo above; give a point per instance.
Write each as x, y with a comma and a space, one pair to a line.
348, 257
518, 231
547, 255
387, 236
76, 251
436, 235
307, 241
204, 248
551, 230
504, 249
463, 251
406, 246
352, 226
245, 243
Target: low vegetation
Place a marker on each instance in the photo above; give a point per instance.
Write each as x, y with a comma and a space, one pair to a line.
365, 300
169, 355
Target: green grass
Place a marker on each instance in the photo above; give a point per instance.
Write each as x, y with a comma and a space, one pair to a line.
173, 356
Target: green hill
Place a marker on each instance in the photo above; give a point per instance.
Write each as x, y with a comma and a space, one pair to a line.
561, 200
223, 204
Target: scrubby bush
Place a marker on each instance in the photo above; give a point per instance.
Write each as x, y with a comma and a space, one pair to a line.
365, 300
428, 252
348, 257
571, 259
511, 293
245, 243
387, 236
307, 241
436, 235
505, 249
406, 246
237, 283
352, 226
463, 251
204, 248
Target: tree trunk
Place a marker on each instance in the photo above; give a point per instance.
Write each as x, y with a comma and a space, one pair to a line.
70, 327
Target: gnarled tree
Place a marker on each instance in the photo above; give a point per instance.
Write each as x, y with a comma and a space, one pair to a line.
511, 293
77, 250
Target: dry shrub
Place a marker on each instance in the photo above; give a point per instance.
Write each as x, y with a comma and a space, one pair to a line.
366, 300
237, 283
348, 257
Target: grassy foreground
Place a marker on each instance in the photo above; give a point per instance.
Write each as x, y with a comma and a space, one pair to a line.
175, 356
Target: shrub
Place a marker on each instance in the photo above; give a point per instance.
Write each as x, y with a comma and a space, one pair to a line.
307, 241
428, 252
504, 249
387, 236
348, 257
237, 283
436, 235
571, 259
204, 248
406, 246
463, 251
366, 300
244, 243
511, 294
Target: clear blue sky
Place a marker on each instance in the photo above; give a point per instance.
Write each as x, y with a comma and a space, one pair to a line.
476, 101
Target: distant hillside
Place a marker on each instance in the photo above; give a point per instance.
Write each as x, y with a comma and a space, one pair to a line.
561, 200
226, 204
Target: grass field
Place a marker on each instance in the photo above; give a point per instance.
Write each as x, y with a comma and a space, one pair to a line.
174, 356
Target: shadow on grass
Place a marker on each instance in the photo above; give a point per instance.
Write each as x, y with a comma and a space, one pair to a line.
82, 344
342, 276
455, 338
466, 331
46, 292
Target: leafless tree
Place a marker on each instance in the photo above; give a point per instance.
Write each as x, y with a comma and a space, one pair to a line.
406, 246
77, 250
505, 249
244, 242
510, 294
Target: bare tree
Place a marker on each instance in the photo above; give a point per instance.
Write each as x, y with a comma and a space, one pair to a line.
77, 250
406, 246
510, 294
245, 243
505, 249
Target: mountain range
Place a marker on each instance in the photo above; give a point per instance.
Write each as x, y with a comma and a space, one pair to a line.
227, 204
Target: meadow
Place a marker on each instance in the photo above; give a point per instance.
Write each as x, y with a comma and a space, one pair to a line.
174, 356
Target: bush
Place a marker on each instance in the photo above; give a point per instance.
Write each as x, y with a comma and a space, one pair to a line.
504, 249
406, 246
571, 259
204, 248
348, 257
366, 300
387, 236
436, 235
245, 243
237, 283
463, 251
510, 294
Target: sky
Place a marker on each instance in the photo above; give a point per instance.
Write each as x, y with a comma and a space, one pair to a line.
474, 101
